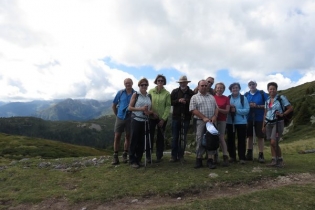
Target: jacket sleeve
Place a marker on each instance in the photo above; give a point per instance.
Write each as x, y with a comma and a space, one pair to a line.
174, 99
167, 106
243, 110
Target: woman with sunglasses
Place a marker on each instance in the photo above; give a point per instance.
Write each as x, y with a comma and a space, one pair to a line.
161, 105
140, 106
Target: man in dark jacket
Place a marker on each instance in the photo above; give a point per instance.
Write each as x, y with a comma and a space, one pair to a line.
180, 99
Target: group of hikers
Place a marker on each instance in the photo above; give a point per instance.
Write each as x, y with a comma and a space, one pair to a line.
141, 114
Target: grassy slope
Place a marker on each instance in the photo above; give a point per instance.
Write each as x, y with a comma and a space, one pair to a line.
25, 182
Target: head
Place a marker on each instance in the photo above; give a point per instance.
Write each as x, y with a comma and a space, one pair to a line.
252, 85
183, 82
219, 88
210, 81
202, 86
143, 84
160, 80
272, 88
235, 88
128, 83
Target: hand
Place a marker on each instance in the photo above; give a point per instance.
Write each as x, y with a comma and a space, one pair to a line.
206, 119
263, 129
182, 100
161, 123
252, 105
214, 119
232, 109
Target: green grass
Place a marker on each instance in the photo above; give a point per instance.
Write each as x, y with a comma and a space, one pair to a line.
24, 182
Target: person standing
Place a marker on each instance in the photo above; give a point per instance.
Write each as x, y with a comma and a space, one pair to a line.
123, 119
236, 122
140, 105
255, 118
273, 125
161, 106
223, 103
205, 109
180, 99
210, 81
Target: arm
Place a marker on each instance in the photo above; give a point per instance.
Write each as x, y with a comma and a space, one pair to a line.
114, 108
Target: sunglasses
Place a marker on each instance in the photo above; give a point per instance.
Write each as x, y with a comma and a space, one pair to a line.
144, 85
203, 85
160, 80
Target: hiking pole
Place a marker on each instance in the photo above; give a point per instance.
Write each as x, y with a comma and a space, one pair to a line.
254, 134
145, 143
277, 141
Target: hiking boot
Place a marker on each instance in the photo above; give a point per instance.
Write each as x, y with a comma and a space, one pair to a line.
249, 155
225, 161
198, 163
232, 160
149, 161
173, 160
261, 158
280, 163
273, 163
135, 165
125, 157
242, 162
115, 159
211, 164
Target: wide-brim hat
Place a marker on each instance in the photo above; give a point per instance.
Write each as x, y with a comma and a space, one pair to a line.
183, 79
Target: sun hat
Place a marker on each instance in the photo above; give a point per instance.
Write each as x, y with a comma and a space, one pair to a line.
183, 79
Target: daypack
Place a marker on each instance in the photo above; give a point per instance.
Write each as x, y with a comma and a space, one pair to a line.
242, 99
210, 141
120, 94
288, 118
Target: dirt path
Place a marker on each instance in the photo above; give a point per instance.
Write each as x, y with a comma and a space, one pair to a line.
220, 190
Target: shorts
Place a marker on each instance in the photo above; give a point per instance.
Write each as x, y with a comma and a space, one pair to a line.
221, 125
122, 125
258, 129
271, 130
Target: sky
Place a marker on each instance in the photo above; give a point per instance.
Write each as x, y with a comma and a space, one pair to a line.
84, 49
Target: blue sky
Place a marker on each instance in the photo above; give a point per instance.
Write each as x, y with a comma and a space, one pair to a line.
85, 49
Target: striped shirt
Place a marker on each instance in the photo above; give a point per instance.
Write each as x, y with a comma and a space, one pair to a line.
205, 104
142, 101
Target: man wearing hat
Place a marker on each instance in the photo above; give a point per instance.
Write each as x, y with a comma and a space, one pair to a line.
256, 99
180, 99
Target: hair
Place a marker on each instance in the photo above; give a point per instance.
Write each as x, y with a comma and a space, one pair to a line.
143, 80
219, 83
160, 75
272, 84
203, 80
233, 84
210, 78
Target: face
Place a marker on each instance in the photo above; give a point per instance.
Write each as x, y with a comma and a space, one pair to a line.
203, 85
219, 89
128, 83
183, 84
210, 81
160, 81
143, 86
235, 89
272, 90
252, 86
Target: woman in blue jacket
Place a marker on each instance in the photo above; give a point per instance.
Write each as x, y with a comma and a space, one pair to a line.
237, 122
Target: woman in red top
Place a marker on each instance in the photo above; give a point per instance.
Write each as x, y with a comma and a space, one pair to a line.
224, 108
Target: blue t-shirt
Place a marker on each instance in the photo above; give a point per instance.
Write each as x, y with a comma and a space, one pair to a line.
258, 99
122, 100
276, 106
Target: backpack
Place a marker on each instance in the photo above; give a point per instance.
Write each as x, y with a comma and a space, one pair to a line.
242, 99
288, 118
120, 94
210, 141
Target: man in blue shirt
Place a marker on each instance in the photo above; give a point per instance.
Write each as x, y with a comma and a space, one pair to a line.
256, 99
123, 119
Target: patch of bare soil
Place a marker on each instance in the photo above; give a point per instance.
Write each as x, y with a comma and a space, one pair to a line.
219, 190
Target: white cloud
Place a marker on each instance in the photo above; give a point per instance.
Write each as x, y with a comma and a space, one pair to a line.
53, 49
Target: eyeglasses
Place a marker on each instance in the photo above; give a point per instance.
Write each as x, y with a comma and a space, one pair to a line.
251, 84
203, 85
160, 80
144, 85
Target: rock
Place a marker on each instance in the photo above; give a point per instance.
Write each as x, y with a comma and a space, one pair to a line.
213, 175
134, 201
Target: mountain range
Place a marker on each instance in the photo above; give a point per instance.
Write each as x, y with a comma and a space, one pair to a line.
58, 110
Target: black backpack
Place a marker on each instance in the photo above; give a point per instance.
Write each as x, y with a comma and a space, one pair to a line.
288, 118
210, 141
